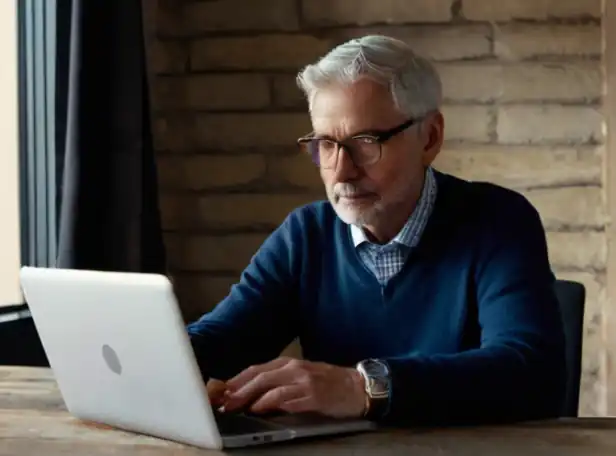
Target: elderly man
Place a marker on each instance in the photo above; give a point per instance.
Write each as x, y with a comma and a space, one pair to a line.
417, 296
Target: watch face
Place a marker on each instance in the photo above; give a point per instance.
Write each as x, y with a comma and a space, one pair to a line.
376, 368
377, 377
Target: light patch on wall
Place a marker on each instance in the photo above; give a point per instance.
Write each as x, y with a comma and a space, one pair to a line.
10, 261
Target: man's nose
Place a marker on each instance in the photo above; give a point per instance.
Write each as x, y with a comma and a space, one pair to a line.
345, 168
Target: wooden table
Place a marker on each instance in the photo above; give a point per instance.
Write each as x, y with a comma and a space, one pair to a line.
33, 421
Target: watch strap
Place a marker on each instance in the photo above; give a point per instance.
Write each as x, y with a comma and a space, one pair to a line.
377, 408
377, 397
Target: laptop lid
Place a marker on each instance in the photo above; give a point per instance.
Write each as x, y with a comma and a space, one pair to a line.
120, 353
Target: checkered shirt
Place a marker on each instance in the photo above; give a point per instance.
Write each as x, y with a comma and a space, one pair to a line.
385, 261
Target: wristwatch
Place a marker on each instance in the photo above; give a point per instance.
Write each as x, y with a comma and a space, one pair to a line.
377, 378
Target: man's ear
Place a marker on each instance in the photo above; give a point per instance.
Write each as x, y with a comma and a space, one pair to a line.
432, 137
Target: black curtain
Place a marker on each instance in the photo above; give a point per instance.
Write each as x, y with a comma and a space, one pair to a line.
109, 216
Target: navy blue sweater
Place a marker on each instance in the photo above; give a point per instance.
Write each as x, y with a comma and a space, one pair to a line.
470, 327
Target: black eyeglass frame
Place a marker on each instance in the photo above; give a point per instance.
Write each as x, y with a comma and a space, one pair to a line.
379, 137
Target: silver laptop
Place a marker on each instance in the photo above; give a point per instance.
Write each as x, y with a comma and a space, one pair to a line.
121, 356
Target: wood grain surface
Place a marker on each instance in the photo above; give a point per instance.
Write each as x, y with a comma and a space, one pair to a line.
34, 421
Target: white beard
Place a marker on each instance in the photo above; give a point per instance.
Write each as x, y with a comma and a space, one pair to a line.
353, 215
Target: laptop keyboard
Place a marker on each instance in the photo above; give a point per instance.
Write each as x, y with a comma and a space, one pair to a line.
238, 424
302, 420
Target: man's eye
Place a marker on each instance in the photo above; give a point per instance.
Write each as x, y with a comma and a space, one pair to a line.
327, 145
366, 140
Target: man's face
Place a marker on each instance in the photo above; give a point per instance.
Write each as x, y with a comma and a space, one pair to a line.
366, 195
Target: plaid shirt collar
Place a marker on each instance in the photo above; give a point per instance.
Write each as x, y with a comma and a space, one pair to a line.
411, 232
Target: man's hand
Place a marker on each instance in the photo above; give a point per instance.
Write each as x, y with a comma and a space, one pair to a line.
216, 391
295, 386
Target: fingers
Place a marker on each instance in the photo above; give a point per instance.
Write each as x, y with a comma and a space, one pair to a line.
258, 386
216, 387
250, 373
276, 398
299, 405
295, 386
216, 392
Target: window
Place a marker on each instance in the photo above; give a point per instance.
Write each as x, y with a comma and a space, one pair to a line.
10, 223
27, 142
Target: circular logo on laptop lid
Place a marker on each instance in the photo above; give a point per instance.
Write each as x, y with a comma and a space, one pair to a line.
111, 359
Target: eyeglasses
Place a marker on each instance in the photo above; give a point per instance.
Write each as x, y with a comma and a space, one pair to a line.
363, 149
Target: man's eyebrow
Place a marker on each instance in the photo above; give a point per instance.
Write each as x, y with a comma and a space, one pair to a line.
323, 136
371, 132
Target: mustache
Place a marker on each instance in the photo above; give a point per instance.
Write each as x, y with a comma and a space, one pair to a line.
347, 189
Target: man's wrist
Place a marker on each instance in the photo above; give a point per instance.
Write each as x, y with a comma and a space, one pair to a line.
361, 398
377, 382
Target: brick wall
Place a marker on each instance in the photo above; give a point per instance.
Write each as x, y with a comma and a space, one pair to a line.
522, 82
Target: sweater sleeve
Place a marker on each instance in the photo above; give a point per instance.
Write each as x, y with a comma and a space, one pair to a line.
518, 371
257, 319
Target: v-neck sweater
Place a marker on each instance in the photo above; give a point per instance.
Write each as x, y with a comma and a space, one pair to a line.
470, 326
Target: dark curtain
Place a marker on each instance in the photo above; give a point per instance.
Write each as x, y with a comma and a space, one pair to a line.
109, 216
107, 184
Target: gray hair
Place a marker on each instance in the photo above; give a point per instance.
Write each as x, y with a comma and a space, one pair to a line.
414, 83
